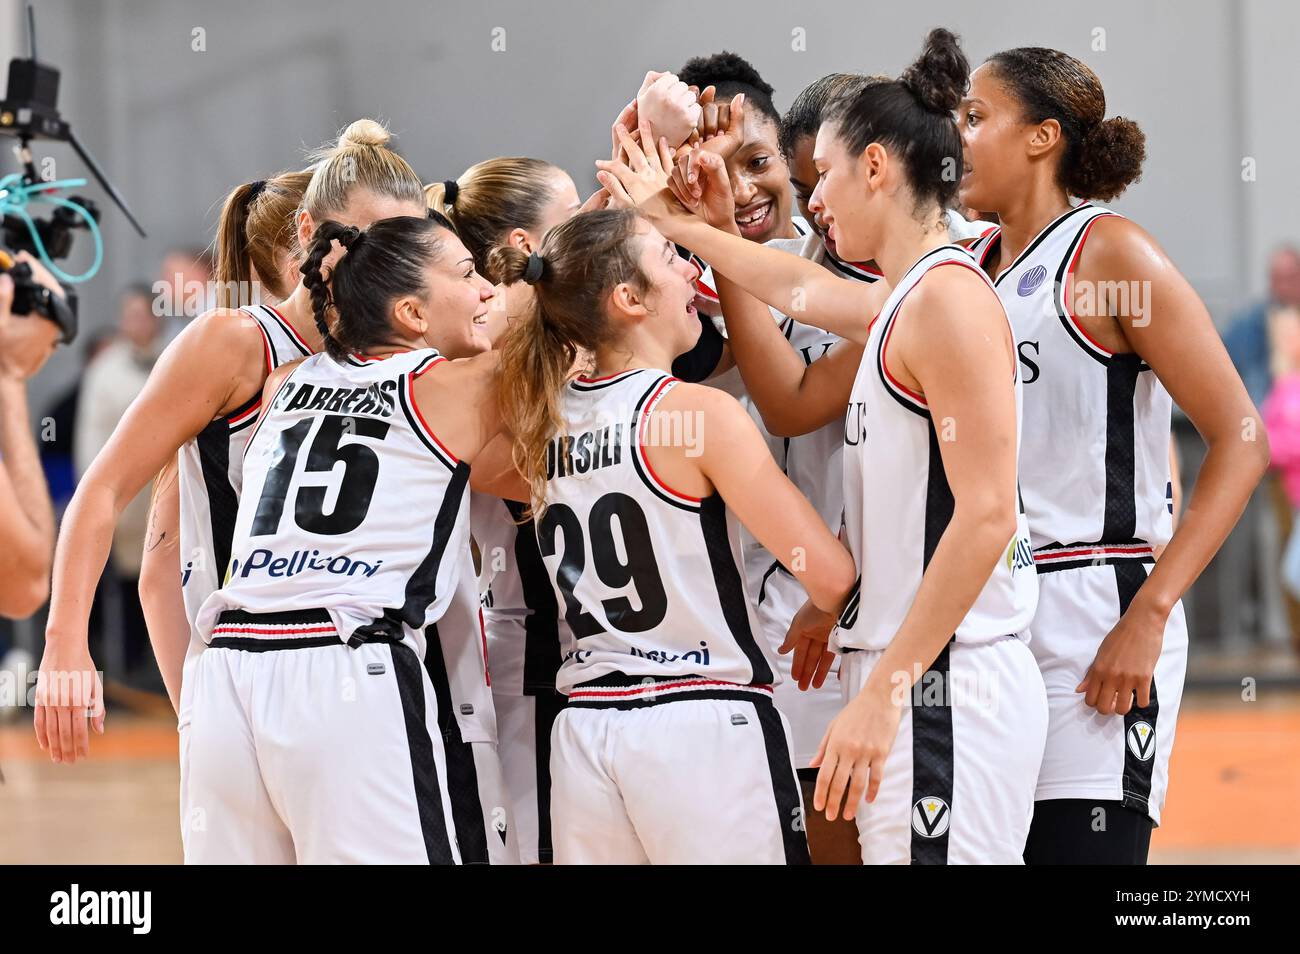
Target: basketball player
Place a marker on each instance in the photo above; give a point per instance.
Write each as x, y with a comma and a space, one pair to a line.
515, 201
315, 734
946, 590
670, 749
200, 401
1108, 333
256, 243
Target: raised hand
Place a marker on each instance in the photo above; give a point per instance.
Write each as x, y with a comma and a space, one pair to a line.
668, 108
722, 126
700, 183
640, 178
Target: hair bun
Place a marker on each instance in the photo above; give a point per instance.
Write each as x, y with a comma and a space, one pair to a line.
940, 75
364, 132
1109, 160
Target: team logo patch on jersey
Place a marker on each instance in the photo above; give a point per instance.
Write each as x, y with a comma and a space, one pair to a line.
1030, 281
1142, 740
930, 817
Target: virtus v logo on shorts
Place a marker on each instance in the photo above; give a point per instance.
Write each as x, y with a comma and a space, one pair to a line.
930, 816
1142, 740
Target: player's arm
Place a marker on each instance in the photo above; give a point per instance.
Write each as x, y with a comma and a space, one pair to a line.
792, 397
688, 212
162, 597
200, 374
1166, 323
953, 341
459, 400
729, 453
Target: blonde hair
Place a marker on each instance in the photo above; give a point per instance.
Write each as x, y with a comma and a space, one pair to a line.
493, 198
359, 159
255, 231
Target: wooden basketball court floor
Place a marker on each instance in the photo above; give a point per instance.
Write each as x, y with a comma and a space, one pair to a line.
1235, 784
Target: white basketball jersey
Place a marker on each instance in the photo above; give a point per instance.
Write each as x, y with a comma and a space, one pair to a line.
897, 502
1095, 465
649, 580
210, 471
813, 462
350, 504
520, 612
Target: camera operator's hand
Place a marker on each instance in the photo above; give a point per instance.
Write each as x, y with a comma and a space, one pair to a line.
26, 341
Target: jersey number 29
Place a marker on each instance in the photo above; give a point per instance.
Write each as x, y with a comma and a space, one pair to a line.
640, 569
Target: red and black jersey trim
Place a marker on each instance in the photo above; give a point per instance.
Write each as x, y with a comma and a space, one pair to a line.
1070, 556
641, 463
263, 632
294, 338
420, 427
272, 355
583, 383
617, 690
1061, 295
853, 270
1038, 239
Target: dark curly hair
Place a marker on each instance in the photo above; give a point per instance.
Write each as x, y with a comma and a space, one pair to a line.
1102, 156
730, 73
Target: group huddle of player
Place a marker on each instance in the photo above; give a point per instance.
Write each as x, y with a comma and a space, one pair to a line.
798, 489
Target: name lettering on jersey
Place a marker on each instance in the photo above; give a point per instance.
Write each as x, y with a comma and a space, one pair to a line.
581, 454
376, 400
300, 561
855, 424
1031, 366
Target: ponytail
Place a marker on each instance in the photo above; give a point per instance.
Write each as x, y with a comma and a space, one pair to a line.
579, 263
255, 236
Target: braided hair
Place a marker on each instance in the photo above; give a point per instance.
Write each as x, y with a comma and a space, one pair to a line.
352, 302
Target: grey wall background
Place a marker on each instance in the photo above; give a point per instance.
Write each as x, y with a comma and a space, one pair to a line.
1212, 82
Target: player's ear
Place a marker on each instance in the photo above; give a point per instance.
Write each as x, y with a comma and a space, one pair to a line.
519, 239
410, 317
875, 163
306, 228
626, 302
1044, 136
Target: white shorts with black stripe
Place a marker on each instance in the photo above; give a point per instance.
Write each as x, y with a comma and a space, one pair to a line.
303, 749
674, 772
524, 724
958, 784
1107, 757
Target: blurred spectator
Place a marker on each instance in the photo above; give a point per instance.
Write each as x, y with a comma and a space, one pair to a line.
111, 382
184, 287
1258, 338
